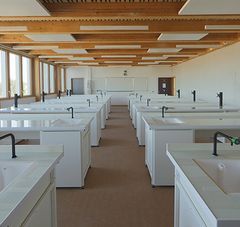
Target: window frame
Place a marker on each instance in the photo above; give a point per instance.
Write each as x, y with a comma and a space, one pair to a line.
41, 71
19, 74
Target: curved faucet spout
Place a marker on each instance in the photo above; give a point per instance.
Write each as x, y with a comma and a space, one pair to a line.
164, 108
70, 108
13, 143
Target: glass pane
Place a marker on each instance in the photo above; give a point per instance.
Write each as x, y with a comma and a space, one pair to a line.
45, 78
41, 76
62, 80
26, 73
52, 82
3, 75
14, 74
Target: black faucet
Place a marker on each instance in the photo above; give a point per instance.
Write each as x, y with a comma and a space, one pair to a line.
16, 97
97, 97
233, 140
89, 102
70, 108
59, 94
140, 97
148, 101
67, 92
220, 96
178, 93
194, 95
136, 95
13, 143
43, 96
164, 108
70, 92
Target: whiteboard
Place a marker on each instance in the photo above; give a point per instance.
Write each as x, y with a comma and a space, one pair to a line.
140, 84
98, 84
120, 84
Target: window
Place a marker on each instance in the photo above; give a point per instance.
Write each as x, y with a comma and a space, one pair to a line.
52, 81
14, 69
62, 80
26, 75
3, 75
41, 76
45, 78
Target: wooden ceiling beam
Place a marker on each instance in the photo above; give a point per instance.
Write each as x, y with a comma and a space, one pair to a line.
173, 26
119, 9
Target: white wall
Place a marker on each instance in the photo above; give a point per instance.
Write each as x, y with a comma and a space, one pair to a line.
211, 73
79, 72
97, 75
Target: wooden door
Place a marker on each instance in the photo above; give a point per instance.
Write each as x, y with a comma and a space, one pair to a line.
166, 85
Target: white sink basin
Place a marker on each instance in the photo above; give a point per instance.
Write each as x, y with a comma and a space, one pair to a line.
225, 173
9, 170
172, 121
67, 122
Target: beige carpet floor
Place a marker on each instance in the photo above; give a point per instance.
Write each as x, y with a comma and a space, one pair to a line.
118, 191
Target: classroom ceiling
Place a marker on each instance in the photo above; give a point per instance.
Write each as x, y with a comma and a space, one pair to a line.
119, 32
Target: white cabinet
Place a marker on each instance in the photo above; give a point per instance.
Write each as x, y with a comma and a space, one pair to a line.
186, 214
73, 167
42, 214
160, 168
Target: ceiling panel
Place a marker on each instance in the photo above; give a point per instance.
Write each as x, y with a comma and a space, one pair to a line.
208, 7
51, 37
122, 32
22, 8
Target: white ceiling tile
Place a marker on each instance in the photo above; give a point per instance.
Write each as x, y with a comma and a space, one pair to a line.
154, 58
55, 56
34, 47
22, 8
181, 36
198, 46
50, 37
70, 51
222, 27
81, 58
206, 7
13, 28
164, 50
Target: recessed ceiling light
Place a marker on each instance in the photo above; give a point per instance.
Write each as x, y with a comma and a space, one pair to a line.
115, 27
222, 27
118, 56
198, 46
180, 55
169, 61
55, 56
13, 28
116, 66
50, 37
181, 36
154, 58
81, 58
164, 50
88, 63
148, 63
114, 62
213, 7
34, 47
117, 46
66, 62
70, 51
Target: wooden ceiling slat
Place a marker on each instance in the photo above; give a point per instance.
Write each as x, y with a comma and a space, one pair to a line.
161, 16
